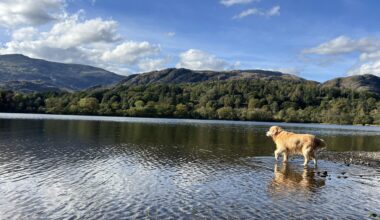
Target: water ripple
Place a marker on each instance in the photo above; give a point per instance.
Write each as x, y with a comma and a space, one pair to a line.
63, 176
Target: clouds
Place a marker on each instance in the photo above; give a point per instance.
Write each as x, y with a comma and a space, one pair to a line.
72, 38
200, 60
72, 32
366, 68
26, 33
343, 45
152, 64
170, 34
368, 48
236, 2
130, 52
29, 12
45, 29
369, 63
274, 11
67, 40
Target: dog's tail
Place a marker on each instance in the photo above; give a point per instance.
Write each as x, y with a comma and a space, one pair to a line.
320, 143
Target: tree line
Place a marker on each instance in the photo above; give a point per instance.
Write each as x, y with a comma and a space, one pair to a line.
258, 100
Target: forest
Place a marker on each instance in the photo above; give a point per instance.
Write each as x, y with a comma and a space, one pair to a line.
251, 100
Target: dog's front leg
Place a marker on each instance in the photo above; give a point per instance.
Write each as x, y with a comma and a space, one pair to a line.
276, 154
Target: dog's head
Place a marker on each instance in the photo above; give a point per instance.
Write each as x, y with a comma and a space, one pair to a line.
273, 131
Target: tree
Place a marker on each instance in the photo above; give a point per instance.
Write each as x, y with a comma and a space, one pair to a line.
88, 105
180, 110
226, 113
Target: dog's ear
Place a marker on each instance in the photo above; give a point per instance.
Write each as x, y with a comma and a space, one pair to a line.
277, 130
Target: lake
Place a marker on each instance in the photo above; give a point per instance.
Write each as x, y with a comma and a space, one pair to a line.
90, 167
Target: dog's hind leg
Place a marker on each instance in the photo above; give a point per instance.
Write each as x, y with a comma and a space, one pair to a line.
285, 155
306, 160
306, 155
314, 159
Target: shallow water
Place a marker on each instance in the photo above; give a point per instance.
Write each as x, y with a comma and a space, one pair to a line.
75, 167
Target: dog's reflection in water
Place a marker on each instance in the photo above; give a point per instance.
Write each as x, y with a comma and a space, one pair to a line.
288, 179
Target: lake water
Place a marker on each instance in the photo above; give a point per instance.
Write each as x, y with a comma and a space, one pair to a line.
82, 167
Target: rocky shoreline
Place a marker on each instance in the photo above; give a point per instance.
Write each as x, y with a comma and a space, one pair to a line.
370, 159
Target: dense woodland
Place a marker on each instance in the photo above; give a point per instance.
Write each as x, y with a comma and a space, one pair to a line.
258, 100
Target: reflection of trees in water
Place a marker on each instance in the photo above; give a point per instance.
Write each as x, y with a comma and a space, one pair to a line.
188, 138
288, 179
170, 141
175, 142
353, 142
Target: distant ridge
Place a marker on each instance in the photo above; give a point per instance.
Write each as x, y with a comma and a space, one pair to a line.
173, 75
367, 82
25, 74
22, 73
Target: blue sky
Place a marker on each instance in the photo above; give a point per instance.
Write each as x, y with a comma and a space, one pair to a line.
317, 40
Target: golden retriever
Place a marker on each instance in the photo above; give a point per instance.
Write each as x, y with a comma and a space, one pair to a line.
288, 143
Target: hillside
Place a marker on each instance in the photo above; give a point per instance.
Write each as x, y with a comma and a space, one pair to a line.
174, 76
258, 100
370, 83
21, 73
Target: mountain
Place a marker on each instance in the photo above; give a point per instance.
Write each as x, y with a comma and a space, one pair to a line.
367, 82
173, 76
22, 73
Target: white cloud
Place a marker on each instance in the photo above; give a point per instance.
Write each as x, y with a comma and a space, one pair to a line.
366, 68
73, 32
288, 70
236, 2
68, 40
344, 45
29, 12
26, 33
370, 56
274, 11
200, 60
170, 34
368, 61
147, 65
130, 52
